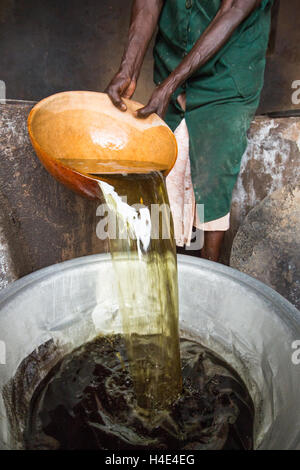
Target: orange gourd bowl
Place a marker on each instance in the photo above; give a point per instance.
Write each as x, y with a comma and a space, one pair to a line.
79, 134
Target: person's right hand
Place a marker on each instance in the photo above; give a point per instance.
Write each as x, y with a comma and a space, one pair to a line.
121, 86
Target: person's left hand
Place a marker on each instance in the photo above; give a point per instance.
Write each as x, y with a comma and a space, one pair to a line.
158, 102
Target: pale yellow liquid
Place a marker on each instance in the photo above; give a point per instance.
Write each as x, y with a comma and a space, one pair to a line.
102, 167
148, 295
147, 284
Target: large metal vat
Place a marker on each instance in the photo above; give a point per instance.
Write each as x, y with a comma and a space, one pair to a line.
249, 324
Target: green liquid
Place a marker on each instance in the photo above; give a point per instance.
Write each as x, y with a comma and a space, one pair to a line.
146, 272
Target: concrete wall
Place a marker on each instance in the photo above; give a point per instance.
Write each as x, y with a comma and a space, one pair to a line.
267, 244
283, 64
57, 45
41, 221
272, 161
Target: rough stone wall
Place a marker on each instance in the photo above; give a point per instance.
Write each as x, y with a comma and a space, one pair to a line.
283, 64
41, 222
267, 245
271, 161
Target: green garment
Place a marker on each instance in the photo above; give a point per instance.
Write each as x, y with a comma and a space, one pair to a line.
221, 97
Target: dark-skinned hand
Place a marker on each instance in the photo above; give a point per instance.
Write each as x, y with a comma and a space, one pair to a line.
121, 86
144, 18
158, 102
145, 15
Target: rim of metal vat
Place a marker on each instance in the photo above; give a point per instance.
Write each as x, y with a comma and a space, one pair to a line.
285, 312
293, 314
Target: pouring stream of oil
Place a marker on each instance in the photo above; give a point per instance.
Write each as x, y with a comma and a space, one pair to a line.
146, 272
144, 259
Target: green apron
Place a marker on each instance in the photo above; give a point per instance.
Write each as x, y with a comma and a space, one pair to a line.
221, 97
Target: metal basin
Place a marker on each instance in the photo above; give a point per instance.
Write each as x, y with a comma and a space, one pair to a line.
248, 324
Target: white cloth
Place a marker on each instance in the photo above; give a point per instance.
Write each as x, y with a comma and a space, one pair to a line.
181, 194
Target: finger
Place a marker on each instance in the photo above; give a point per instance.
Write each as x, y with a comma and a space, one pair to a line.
116, 100
145, 111
129, 90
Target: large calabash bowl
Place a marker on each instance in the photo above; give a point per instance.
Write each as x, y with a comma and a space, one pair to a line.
79, 134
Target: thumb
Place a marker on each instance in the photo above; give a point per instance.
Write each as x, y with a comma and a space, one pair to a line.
145, 111
116, 100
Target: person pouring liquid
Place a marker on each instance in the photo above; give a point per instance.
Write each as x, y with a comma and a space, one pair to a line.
209, 61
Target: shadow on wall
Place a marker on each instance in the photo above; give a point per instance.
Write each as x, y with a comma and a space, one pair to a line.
271, 162
60, 45
283, 60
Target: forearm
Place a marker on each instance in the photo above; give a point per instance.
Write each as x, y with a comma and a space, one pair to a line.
231, 14
144, 19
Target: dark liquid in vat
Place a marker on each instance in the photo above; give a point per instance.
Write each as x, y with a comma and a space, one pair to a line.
87, 401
